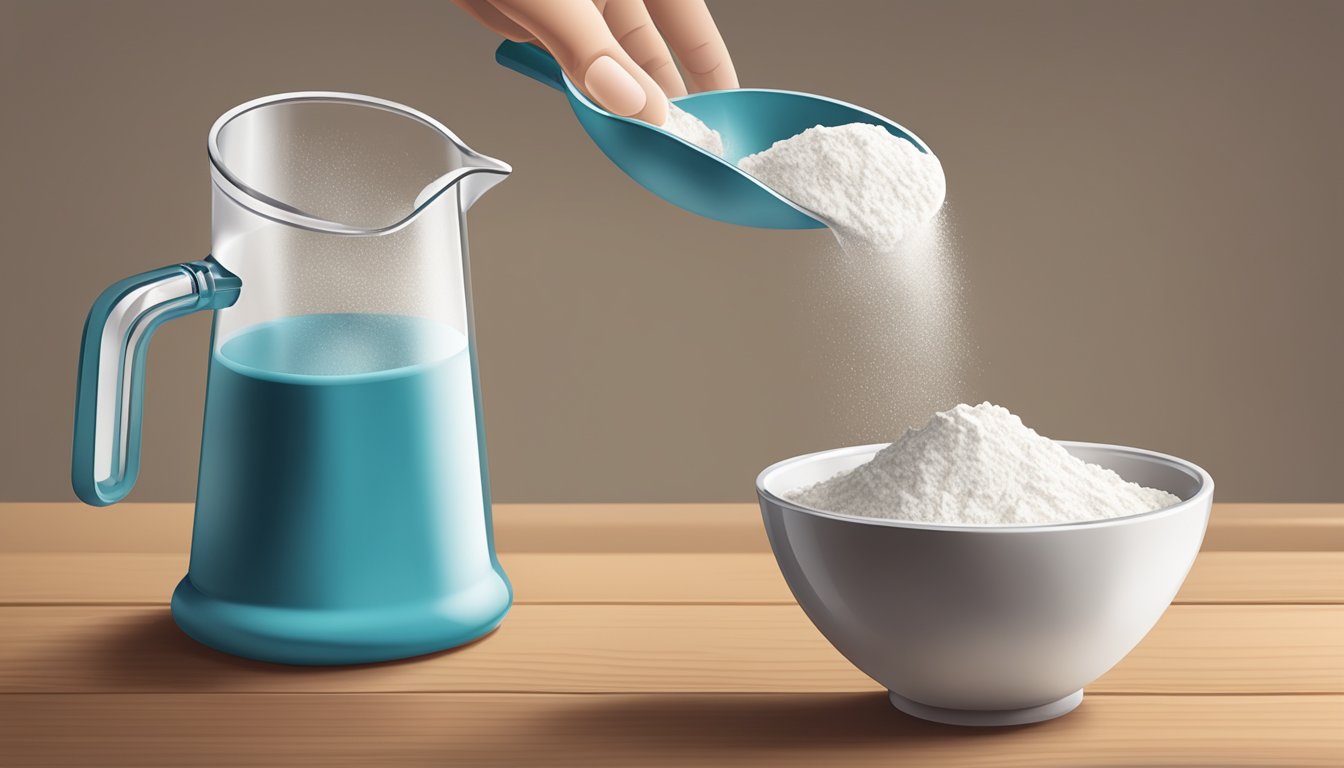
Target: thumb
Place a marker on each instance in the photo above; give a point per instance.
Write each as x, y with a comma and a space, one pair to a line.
611, 83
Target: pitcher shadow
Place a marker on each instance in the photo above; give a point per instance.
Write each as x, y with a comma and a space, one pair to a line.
146, 651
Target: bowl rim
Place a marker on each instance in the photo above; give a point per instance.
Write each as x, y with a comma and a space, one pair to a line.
1201, 497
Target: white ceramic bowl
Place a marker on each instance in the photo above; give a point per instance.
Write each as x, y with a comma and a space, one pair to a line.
986, 625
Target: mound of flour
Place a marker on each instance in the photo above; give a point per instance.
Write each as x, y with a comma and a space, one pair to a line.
869, 185
684, 125
979, 465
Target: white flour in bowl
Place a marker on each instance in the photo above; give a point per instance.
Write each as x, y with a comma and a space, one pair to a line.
869, 185
684, 125
979, 465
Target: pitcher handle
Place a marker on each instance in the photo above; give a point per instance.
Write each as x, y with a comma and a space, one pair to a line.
528, 59
109, 396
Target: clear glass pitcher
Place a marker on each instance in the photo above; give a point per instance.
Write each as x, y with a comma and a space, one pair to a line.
343, 504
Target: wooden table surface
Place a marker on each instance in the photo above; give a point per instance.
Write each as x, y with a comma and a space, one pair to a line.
640, 634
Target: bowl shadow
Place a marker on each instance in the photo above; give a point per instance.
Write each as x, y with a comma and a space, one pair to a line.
728, 728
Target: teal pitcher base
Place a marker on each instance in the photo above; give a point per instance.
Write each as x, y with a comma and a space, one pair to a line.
329, 636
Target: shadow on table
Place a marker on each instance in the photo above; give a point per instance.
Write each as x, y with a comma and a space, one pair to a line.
701, 725
148, 652
143, 651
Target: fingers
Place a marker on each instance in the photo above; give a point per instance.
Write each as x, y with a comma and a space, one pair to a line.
575, 32
691, 32
496, 22
630, 24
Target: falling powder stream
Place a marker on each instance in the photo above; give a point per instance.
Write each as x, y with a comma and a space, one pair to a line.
891, 298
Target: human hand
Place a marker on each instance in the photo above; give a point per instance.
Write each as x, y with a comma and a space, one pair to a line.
612, 50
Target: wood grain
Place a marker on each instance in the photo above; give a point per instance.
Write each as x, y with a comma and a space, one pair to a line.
627, 648
643, 634
691, 578
1265, 577
657, 730
619, 528
614, 528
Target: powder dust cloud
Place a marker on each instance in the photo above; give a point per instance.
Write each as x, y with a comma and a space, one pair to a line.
888, 293
892, 322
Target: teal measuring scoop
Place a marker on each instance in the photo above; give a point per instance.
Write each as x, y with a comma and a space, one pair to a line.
748, 119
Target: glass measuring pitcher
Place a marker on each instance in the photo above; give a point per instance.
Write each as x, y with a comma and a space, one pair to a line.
343, 504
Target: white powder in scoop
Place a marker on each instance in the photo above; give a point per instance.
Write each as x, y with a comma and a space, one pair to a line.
684, 125
980, 465
868, 184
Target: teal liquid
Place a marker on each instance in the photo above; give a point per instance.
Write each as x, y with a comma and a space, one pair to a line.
341, 467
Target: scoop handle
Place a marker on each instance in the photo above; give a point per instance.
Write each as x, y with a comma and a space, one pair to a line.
530, 60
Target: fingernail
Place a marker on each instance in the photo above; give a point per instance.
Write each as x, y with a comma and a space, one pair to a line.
613, 87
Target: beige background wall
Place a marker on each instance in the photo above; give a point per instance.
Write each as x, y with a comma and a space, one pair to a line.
1147, 199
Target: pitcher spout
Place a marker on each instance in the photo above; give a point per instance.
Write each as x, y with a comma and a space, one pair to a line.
480, 174
490, 172
339, 163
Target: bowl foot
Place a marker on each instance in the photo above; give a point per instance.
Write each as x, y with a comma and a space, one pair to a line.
988, 717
